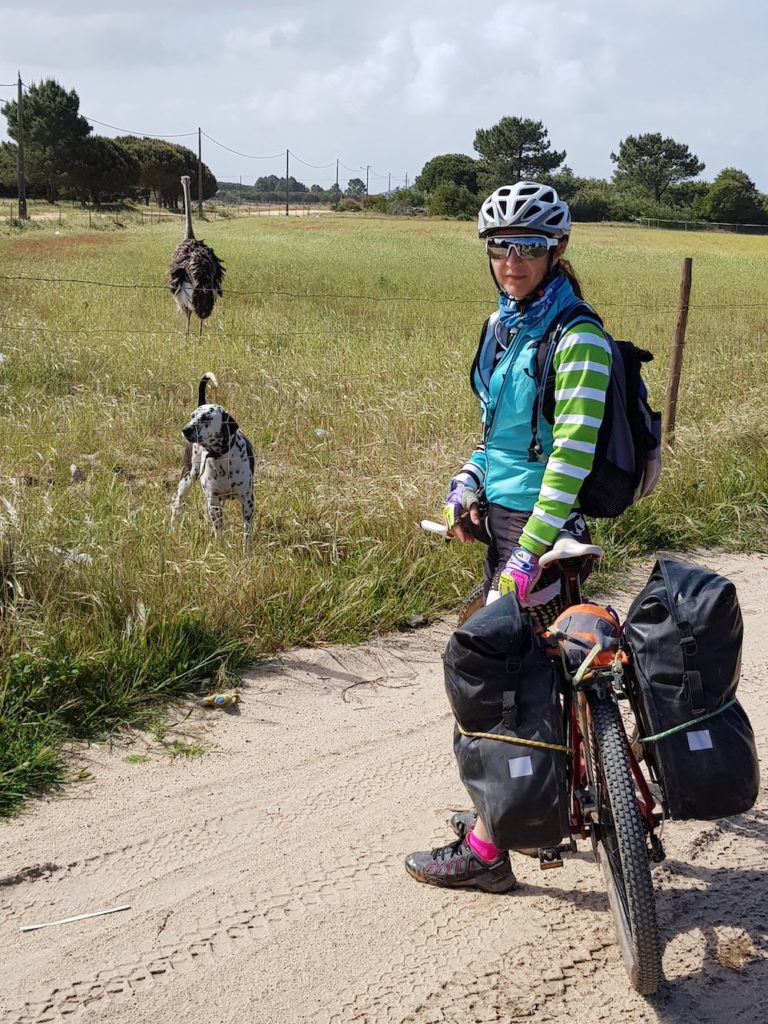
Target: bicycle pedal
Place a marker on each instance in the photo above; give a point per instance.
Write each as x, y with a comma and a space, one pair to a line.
587, 801
550, 858
657, 852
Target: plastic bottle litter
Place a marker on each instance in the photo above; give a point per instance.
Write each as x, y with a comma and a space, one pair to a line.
220, 700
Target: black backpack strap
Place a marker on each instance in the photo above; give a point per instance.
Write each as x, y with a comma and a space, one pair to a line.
509, 710
510, 716
501, 334
689, 647
476, 360
545, 354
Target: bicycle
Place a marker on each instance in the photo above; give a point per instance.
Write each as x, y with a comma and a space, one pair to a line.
610, 802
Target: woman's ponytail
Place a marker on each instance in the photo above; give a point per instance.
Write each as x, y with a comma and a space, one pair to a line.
567, 270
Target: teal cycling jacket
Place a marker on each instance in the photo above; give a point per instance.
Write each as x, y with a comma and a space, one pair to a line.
503, 378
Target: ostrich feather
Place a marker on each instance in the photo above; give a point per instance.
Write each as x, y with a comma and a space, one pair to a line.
196, 273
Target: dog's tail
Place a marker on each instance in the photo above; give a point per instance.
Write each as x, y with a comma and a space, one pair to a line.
203, 384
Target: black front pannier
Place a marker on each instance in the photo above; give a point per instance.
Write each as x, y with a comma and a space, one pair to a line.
684, 632
500, 682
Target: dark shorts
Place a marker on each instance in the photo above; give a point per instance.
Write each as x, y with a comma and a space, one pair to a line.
503, 527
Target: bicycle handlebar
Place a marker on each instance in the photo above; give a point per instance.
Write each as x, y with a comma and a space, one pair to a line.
432, 527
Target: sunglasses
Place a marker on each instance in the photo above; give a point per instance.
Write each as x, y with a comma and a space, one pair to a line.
526, 247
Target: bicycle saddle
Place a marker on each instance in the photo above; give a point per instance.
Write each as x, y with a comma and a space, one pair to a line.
566, 546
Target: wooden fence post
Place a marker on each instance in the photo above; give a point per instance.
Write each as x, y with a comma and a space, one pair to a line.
676, 356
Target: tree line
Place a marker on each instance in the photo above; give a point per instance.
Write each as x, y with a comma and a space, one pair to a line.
272, 189
64, 159
653, 176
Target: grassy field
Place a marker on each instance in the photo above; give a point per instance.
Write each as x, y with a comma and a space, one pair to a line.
342, 347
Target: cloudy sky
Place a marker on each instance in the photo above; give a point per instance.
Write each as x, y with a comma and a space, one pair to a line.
392, 85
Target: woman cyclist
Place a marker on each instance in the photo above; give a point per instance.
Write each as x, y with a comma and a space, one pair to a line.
526, 471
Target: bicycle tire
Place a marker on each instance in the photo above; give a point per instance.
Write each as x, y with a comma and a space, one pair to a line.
620, 848
474, 601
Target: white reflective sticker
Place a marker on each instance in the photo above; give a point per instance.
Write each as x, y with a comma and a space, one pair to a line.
700, 740
520, 766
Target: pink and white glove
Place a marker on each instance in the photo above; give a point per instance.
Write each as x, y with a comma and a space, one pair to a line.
520, 574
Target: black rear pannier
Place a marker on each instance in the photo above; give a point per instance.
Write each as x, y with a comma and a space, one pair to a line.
684, 632
500, 682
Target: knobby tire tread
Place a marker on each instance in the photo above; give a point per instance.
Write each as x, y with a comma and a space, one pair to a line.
645, 972
474, 601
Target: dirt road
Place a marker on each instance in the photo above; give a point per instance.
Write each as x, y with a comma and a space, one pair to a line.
265, 879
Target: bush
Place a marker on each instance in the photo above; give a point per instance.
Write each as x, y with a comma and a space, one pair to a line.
591, 205
348, 205
451, 200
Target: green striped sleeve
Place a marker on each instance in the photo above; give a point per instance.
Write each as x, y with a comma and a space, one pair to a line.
582, 363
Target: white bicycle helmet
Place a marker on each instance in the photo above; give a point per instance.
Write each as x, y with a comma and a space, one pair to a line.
525, 205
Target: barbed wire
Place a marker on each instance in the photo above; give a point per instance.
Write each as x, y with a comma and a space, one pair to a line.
234, 291
279, 293
234, 334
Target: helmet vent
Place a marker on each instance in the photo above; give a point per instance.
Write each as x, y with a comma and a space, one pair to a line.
524, 205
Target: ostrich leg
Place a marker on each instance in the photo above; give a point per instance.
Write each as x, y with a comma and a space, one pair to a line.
188, 314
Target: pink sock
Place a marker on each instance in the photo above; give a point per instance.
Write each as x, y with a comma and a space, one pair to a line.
485, 851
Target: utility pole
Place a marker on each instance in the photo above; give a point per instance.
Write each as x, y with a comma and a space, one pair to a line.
199, 172
389, 183
240, 192
367, 169
20, 155
406, 179
287, 175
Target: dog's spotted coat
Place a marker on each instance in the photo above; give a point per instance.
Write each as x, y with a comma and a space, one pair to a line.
220, 456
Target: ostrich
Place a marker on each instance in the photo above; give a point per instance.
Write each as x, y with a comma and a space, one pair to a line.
196, 271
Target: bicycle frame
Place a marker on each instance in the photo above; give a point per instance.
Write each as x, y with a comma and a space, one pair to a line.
607, 680
581, 771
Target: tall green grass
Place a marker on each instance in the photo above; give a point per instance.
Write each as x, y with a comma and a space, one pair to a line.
342, 347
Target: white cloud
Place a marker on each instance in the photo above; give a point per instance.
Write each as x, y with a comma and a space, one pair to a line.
347, 89
393, 85
429, 89
247, 43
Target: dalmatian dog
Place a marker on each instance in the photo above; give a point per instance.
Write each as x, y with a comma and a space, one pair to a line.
220, 456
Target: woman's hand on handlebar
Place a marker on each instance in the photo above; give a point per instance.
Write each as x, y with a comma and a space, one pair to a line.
459, 528
461, 508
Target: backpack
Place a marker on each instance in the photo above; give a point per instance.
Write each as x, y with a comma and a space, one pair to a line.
627, 461
509, 734
684, 635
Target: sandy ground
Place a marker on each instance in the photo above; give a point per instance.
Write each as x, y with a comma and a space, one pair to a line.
265, 879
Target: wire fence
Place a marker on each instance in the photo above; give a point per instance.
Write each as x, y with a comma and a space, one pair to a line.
703, 225
638, 307
64, 215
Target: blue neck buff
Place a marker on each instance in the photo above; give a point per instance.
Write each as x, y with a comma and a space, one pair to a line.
511, 311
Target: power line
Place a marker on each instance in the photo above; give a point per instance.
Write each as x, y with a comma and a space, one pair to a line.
248, 156
317, 167
146, 135
185, 135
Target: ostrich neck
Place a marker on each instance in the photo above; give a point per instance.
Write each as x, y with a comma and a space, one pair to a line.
188, 211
